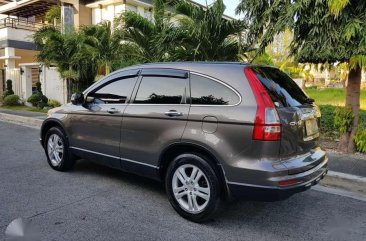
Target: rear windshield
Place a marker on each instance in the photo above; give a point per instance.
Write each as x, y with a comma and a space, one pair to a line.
283, 91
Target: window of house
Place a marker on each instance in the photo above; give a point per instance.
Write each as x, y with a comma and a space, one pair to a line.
162, 90
205, 91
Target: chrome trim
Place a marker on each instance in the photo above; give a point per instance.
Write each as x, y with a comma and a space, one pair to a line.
220, 82
250, 185
160, 104
115, 157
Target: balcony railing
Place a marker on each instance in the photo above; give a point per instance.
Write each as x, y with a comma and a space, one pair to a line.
20, 24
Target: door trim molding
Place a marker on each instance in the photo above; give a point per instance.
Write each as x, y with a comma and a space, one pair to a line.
115, 157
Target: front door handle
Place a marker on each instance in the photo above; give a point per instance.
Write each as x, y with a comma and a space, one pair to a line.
112, 110
173, 113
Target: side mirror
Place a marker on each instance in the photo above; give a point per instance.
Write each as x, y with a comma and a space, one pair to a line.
77, 99
89, 99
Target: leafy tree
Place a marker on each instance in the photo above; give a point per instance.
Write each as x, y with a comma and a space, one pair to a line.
325, 31
143, 38
206, 34
53, 15
74, 59
105, 43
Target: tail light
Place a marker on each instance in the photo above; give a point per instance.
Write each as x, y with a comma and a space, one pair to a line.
267, 125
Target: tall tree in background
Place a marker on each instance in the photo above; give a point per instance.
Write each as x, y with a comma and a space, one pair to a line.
206, 34
106, 44
74, 59
325, 31
144, 37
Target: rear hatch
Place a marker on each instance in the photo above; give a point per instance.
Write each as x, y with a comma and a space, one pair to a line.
298, 115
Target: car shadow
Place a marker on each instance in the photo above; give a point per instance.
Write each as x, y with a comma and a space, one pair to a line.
233, 212
97, 170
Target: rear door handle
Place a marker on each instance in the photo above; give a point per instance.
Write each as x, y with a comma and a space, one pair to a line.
112, 110
173, 113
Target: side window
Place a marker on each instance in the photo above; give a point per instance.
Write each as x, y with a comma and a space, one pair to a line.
116, 92
205, 91
162, 90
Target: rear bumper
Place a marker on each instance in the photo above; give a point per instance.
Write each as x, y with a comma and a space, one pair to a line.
305, 181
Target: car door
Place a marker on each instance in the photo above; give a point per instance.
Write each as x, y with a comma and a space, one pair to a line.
95, 128
156, 117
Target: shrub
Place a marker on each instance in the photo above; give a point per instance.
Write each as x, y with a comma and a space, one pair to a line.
11, 100
38, 100
360, 140
9, 88
53, 103
343, 119
327, 119
39, 87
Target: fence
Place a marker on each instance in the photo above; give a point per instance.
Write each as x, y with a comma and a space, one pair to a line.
20, 24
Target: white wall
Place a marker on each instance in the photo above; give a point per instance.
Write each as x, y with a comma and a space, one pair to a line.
53, 86
16, 34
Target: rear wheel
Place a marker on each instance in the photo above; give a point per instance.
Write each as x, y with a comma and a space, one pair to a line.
57, 150
193, 188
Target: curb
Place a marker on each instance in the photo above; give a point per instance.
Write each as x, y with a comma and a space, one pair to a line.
345, 181
28, 121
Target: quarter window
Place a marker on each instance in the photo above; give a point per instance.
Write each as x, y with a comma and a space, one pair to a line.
205, 91
162, 90
116, 92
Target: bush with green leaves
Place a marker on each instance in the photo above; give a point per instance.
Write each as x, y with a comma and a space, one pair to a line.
38, 100
9, 88
53, 103
343, 119
11, 100
360, 140
327, 125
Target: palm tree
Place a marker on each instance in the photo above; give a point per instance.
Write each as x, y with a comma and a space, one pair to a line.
106, 44
74, 59
206, 34
147, 40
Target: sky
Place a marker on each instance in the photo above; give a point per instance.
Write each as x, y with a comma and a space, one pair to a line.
230, 5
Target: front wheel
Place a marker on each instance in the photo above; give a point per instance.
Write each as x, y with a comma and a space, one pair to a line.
57, 150
193, 187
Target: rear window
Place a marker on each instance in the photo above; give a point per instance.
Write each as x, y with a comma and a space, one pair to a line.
283, 91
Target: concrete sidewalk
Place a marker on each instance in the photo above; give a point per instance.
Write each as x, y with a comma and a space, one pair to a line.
36, 115
354, 164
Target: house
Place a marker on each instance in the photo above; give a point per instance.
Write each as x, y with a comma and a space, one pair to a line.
19, 19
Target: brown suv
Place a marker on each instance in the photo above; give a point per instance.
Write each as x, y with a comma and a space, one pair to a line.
208, 130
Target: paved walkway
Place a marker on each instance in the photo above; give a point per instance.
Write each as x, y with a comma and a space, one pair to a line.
354, 164
36, 115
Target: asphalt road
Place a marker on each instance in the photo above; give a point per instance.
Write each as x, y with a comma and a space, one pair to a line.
96, 203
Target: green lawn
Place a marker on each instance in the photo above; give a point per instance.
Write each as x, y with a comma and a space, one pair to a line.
25, 108
332, 96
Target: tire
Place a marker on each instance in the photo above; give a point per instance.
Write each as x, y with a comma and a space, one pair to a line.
60, 159
203, 204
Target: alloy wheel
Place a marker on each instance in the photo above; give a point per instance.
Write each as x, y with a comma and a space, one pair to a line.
55, 148
191, 188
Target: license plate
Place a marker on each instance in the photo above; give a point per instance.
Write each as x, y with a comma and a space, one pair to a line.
311, 127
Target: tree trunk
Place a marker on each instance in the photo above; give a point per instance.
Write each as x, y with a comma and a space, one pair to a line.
107, 69
346, 142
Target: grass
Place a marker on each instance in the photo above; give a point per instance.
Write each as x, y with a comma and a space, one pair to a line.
333, 96
24, 108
